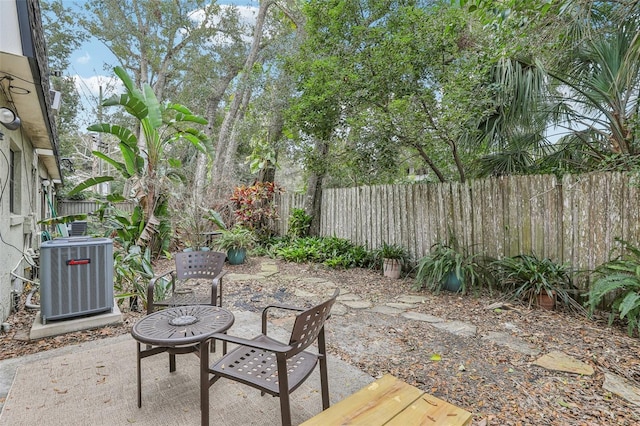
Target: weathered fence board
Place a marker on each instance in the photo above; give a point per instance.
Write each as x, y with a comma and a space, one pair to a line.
575, 221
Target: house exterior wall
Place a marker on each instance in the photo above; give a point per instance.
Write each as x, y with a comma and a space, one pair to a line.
17, 226
10, 40
28, 154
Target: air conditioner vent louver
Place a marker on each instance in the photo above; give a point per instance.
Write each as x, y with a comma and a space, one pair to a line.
76, 277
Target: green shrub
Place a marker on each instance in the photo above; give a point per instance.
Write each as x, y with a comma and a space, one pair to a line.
619, 278
299, 223
332, 251
526, 276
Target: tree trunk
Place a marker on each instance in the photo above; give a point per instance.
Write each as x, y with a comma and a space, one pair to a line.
268, 173
225, 150
202, 160
229, 166
313, 197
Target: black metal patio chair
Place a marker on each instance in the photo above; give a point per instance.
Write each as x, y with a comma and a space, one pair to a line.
275, 367
189, 265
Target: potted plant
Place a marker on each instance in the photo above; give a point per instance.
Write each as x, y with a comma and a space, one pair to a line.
538, 282
235, 241
393, 258
449, 267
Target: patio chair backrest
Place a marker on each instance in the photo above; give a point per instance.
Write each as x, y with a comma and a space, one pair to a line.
199, 264
309, 323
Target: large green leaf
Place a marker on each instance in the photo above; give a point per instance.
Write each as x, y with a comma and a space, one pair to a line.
89, 183
155, 114
118, 165
185, 115
62, 219
129, 157
115, 198
630, 303
134, 105
196, 140
122, 133
124, 76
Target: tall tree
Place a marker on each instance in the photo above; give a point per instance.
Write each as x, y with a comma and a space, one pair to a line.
152, 39
224, 165
393, 81
590, 93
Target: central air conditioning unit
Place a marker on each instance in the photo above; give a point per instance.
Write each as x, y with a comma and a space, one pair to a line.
76, 277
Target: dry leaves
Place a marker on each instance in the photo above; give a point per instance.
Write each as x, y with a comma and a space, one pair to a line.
499, 386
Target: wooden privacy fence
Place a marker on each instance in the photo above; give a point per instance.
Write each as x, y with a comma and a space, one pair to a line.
575, 220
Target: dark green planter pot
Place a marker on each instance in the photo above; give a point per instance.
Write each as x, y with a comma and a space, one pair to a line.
236, 256
452, 283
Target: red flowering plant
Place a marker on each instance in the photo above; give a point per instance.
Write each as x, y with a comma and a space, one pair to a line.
255, 206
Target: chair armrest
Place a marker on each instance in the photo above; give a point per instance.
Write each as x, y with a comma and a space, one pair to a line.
277, 306
152, 285
216, 288
267, 346
219, 276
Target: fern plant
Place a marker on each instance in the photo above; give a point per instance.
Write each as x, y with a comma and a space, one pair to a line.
619, 277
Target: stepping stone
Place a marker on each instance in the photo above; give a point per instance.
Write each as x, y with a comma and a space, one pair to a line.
403, 306
329, 285
511, 342
269, 267
290, 277
421, 317
357, 304
243, 277
326, 292
458, 328
387, 310
304, 294
560, 361
339, 309
267, 274
412, 299
621, 387
313, 280
348, 296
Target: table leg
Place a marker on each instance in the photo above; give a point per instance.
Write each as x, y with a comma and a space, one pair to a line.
204, 382
139, 376
172, 362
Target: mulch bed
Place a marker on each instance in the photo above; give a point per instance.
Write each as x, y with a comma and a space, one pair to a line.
498, 385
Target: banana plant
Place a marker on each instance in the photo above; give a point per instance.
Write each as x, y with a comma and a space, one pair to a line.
143, 162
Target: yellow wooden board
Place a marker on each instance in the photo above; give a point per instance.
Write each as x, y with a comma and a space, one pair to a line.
389, 401
375, 404
429, 410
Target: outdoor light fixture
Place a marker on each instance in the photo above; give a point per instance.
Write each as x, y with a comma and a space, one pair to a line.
9, 119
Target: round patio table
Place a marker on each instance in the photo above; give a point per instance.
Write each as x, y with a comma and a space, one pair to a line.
179, 330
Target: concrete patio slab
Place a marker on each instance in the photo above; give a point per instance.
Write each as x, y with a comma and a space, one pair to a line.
95, 384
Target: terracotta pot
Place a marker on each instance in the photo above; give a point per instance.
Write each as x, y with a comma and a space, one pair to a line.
391, 268
547, 302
